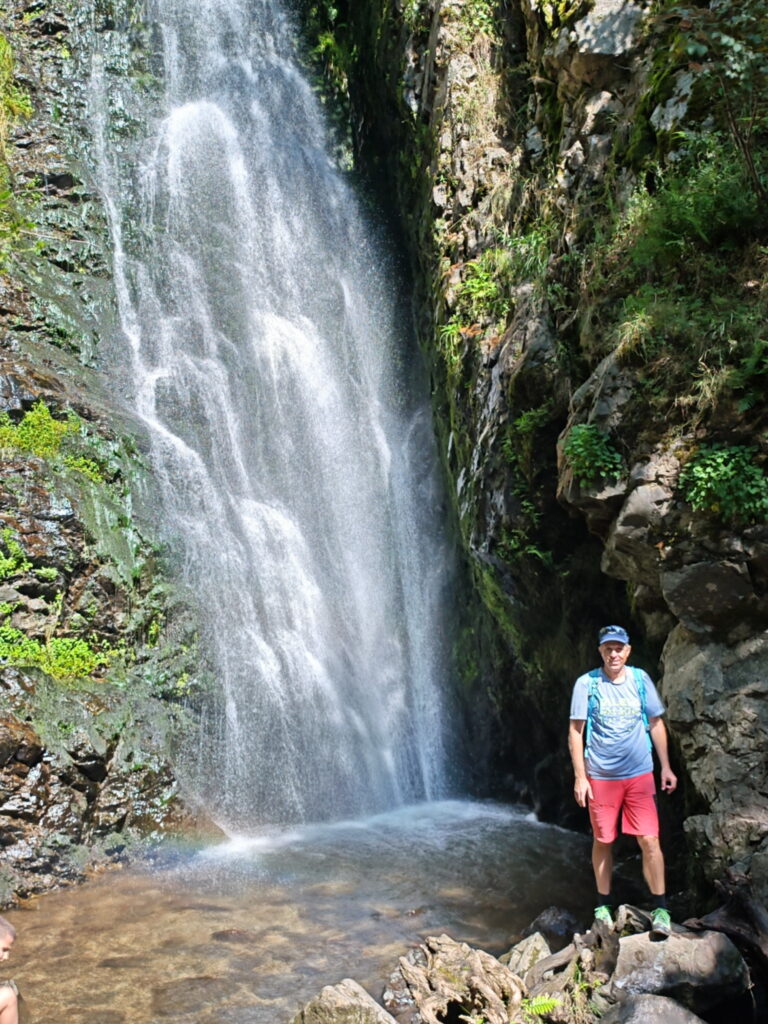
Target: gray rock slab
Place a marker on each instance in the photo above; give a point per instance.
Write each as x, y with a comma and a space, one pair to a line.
698, 969
610, 28
522, 957
345, 1003
649, 1009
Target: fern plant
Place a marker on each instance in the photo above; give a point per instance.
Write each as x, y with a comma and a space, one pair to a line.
536, 1007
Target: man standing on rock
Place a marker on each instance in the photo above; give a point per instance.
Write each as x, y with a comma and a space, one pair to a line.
615, 723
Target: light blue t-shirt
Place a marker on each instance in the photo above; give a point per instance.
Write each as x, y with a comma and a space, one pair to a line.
618, 743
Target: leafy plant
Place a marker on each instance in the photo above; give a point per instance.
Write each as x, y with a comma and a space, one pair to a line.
751, 374
38, 432
482, 293
726, 482
64, 658
15, 562
538, 1006
726, 46
47, 573
519, 445
88, 467
591, 455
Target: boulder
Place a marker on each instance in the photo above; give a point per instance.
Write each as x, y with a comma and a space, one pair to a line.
555, 925
526, 954
708, 595
345, 1003
610, 28
699, 970
717, 706
649, 1009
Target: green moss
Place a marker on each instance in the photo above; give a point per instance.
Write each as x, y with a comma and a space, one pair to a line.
88, 467
38, 432
65, 659
15, 561
14, 104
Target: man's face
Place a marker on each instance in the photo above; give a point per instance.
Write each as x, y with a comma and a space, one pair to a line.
6, 941
614, 655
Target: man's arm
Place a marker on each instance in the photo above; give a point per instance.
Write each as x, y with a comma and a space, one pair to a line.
9, 1003
659, 737
581, 786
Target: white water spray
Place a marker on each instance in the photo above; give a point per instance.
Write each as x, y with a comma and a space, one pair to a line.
296, 469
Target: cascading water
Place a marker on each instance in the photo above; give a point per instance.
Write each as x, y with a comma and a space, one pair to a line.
295, 467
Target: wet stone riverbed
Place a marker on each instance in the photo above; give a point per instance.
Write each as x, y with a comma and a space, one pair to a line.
247, 931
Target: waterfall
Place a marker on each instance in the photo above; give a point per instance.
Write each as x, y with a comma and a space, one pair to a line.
295, 464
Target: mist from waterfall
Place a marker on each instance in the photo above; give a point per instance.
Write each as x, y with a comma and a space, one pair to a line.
295, 463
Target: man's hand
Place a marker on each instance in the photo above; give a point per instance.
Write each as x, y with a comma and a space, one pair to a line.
582, 790
668, 781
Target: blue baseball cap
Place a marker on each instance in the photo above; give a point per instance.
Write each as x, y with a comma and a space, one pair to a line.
615, 633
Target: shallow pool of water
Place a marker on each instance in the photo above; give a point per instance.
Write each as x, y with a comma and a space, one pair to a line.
247, 931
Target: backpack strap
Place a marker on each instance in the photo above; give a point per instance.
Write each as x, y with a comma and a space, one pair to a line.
640, 684
593, 706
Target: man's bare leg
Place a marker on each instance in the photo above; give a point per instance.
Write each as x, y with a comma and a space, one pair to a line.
602, 865
653, 864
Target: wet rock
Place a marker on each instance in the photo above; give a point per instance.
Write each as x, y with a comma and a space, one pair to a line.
555, 925
650, 1009
345, 1003
699, 970
18, 742
397, 997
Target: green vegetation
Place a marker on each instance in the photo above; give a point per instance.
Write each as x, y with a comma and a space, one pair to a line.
478, 16
65, 659
88, 467
591, 455
726, 482
39, 433
726, 44
14, 104
15, 562
538, 1006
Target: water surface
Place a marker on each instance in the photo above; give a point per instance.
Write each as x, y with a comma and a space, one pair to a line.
246, 932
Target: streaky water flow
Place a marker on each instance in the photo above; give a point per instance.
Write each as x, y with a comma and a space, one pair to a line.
295, 463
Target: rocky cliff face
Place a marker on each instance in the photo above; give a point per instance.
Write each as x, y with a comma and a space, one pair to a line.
96, 648
583, 193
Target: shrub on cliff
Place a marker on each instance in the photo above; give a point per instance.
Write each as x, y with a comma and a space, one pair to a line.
726, 482
591, 455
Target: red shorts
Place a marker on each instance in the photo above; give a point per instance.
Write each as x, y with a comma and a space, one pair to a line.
634, 799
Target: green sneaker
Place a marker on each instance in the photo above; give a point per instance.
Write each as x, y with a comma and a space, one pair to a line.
661, 922
603, 914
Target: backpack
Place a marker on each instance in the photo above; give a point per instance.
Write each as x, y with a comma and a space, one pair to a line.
593, 704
